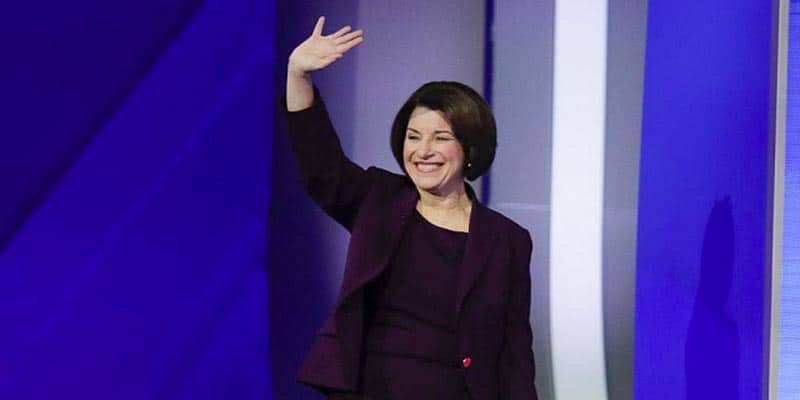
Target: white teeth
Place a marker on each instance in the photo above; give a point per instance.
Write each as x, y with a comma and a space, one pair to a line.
427, 167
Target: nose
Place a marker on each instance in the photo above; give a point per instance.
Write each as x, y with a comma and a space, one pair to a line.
425, 148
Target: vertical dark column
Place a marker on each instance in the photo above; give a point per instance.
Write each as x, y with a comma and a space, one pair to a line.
488, 76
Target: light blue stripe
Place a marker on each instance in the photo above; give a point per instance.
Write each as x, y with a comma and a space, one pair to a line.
789, 367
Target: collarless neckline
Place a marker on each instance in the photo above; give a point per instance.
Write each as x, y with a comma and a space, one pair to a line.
425, 221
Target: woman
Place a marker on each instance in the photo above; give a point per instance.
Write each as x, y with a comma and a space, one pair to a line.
436, 292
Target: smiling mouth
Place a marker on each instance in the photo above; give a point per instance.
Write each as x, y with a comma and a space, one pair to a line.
427, 167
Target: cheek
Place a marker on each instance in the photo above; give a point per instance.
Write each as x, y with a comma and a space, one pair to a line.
455, 154
406, 152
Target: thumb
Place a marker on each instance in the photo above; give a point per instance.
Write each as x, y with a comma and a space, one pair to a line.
318, 27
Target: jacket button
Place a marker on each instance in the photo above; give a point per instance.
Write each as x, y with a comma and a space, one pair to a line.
466, 362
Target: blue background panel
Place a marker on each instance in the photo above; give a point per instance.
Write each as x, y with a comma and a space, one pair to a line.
701, 273
133, 266
66, 68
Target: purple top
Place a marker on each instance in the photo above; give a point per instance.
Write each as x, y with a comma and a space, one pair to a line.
411, 313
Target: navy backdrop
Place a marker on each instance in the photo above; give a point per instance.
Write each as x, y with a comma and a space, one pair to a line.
134, 184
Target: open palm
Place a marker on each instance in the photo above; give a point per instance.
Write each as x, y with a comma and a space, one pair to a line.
319, 51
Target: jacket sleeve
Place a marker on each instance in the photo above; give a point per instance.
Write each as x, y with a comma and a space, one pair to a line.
333, 181
516, 366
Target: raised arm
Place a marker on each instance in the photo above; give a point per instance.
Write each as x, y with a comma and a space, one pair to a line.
334, 182
315, 53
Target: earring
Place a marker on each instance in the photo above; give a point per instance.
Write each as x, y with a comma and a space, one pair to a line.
469, 165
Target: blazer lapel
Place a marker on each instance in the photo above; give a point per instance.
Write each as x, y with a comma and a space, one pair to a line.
478, 248
369, 268
398, 217
349, 311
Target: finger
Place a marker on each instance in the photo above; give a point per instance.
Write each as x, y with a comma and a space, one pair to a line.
349, 45
348, 37
341, 32
318, 27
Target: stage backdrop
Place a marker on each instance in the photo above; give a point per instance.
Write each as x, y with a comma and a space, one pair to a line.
155, 241
134, 165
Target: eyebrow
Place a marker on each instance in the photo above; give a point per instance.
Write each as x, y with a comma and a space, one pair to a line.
435, 132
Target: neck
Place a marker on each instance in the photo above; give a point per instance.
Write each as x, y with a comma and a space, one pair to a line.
455, 200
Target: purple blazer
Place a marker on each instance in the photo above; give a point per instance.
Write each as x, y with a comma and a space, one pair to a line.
493, 289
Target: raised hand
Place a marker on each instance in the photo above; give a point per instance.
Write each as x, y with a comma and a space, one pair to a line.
319, 51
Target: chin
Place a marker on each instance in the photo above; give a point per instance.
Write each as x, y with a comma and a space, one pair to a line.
425, 184
428, 184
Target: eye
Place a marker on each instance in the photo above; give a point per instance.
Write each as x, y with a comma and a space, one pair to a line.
443, 138
412, 136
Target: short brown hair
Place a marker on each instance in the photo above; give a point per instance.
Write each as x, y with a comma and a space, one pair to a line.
468, 114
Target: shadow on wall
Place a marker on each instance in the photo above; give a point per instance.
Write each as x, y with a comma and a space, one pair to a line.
712, 342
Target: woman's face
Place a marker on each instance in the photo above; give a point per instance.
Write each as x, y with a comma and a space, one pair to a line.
432, 155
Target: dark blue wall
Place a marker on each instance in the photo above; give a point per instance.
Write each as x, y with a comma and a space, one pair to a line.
67, 67
701, 273
135, 187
